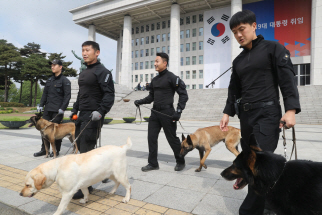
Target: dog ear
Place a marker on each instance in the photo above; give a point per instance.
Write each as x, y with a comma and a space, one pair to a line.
189, 141
253, 143
39, 180
183, 138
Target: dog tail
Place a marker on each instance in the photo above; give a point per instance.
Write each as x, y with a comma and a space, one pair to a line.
128, 144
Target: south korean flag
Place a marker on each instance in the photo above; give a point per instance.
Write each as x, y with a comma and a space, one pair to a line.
217, 50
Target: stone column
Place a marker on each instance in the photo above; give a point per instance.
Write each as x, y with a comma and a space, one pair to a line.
174, 58
118, 58
126, 71
91, 33
236, 5
316, 43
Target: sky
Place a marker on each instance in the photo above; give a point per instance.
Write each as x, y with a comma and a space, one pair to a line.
50, 24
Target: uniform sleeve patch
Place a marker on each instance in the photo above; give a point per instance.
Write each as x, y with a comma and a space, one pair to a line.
107, 76
285, 58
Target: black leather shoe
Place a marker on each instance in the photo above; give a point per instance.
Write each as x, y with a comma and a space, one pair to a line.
105, 180
80, 195
40, 153
149, 168
179, 167
52, 154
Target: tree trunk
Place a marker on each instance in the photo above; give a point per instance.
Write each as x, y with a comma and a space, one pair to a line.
35, 97
30, 97
20, 91
5, 85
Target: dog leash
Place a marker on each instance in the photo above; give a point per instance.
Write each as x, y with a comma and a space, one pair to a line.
293, 139
159, 113
73, 143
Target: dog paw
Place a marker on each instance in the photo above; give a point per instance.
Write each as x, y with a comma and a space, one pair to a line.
111, 193
198, 170
204, 166
125, 200
83, 201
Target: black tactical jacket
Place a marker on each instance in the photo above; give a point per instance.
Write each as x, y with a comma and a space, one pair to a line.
258, 72
96, 90
56, 93
162, 89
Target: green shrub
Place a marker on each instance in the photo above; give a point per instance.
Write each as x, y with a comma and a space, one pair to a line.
5, 111
108, 118
33, 108
129, 117
69, 108
9, 108
2, 108
17, 111
11, 104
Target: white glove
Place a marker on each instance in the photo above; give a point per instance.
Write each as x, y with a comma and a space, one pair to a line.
41, 109
96, 116
60, 111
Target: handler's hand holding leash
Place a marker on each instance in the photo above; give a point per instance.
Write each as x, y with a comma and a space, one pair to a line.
288, 119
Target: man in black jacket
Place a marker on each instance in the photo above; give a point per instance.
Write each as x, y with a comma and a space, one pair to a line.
95, 98
253, 93
162, 89
55, 98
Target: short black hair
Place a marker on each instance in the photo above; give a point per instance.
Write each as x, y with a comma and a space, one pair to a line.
164, 56
242, 17
93, 44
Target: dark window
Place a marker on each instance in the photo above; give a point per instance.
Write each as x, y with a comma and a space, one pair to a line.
142, 29
302, 74
194, 19
158, 25
168, 23
152, 27
137, 30
147, 28
164, 25
181, 21
188, 20
200, 17
132, 30
152, 39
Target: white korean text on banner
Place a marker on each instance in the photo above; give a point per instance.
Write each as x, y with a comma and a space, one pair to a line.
217, 47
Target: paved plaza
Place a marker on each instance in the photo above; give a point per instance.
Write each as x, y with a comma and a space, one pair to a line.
157, 192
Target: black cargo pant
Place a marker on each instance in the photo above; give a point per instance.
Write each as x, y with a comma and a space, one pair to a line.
264, 123
156, 122
49, 115
87, 141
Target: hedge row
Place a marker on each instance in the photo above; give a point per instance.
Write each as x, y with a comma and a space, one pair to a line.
6, 111
11, 104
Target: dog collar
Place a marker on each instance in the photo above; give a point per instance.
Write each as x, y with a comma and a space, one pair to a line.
271, 188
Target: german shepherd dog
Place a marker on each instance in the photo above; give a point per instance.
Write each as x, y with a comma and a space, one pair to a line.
52, 131
291, 188
205, 138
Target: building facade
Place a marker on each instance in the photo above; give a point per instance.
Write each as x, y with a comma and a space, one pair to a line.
197, 37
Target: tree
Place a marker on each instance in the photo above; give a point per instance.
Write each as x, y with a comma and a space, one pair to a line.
35, 67
8, 56
25, 96
19, 77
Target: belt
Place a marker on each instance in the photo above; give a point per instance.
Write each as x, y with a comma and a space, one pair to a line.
162, 107
250, 106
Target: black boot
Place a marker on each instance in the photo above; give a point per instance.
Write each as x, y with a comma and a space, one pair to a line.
52, 154
179, 167
105, 180
80, 195
149, 168
40, 153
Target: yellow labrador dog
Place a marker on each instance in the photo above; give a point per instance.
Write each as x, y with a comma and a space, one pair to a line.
73, 172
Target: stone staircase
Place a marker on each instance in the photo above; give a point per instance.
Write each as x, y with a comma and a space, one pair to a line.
208, 104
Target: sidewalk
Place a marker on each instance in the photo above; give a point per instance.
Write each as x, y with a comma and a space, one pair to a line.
157, 192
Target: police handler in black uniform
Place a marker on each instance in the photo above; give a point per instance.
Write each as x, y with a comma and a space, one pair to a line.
258, 71
95, 98
55, 98
162, 89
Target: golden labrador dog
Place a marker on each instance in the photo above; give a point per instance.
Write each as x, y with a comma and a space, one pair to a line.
74, 172
205, 138
52, 131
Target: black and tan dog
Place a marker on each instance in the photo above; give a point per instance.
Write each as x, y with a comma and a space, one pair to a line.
293, 187
52, 131
205, 138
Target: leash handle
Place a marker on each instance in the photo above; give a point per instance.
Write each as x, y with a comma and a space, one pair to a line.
136, 113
